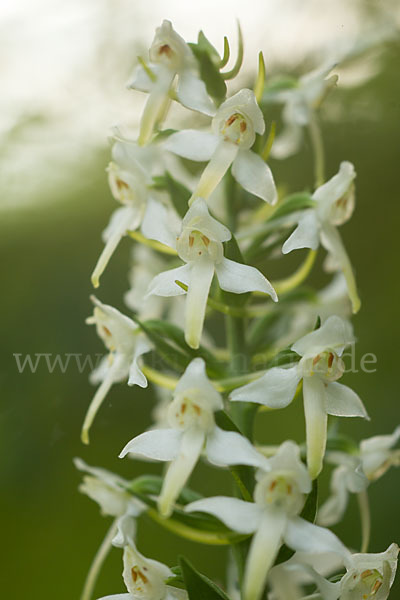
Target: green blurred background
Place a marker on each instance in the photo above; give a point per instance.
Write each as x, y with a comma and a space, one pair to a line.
50, 532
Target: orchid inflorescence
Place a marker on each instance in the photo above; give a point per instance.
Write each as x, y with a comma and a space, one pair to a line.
195, 229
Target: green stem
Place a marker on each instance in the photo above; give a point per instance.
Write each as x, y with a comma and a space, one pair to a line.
318, 149
365, 516
98, 562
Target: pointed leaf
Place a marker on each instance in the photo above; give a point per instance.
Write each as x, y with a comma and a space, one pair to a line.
209, 73
198, 586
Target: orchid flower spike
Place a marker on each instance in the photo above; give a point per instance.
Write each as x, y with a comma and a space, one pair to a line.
273, 518
319, 368
144, 578
130, 183
300, 102
191, 429
170, 57
199, 245
126, 344
334, 205
356, 471
234, 129
108, 490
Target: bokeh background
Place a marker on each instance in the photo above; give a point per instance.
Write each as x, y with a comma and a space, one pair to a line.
63, 67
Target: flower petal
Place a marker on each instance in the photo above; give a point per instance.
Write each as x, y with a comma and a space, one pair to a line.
136, 377
245, 102
159, 224
333, 509
332, 242
198, 217
220, 162
341, 401
126, 596
275, 389
201, 275
264, 547
192, 93
158, 444
316, 423
195, 377
287, 142
122, 220
192, 144
238, 278
231, 448
155, 105
241, 516
180, 469
255, 176
164, 284
334, 334
304, 536
337, 186
306, 234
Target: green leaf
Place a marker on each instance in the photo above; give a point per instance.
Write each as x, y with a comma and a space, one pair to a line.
163, 134
178, 192
209, 73
293, 203
205, 45
284, 357
265, 331
175, 335
341, 443
171, 355
151, 485
199, 587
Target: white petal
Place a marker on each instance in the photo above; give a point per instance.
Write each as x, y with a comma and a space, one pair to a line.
245, 102
316, 423
136, 377
220, 162
159, 224
331, 240
275, 389
254, 175
192, 144
264, 547
241, 516
192, 93
287, 142
198, 217
237, 278
337, 186
114, 374
126, 596
164, 283
201, 275
122, 220
306, 234
341, 401
180, 469
230, 448
158, 444
287, 459
376, 453
335, 334
140, 79
155, 106
363, 562
195, 377
333, 509
304, 536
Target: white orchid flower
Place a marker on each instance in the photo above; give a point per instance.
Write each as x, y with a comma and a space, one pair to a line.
300, 102
145, 265
234, 129
144, 578
273, 518
191, 429
355, 472
334, 205
126, 344
108, 490
368, 577
199, 245
319, 368
170, 57
130, 182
